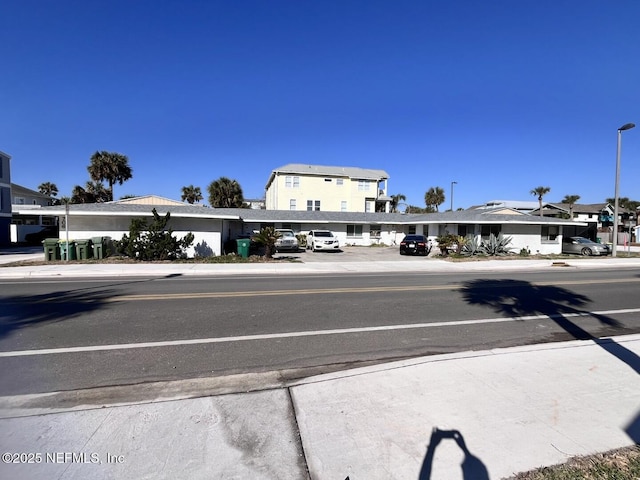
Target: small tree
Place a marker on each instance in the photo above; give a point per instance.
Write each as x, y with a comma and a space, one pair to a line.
110, 166
225, 193
434, 197
540, 192
153, 241
267, 237
49, 189
191, 194
571, 200
396, 200
446, 242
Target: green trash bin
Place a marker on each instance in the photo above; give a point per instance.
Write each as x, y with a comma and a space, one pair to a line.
243, 247
98, 247
83, 249
67, 253
51, 249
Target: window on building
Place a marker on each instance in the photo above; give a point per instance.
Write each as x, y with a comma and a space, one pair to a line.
487, 230
339, 181
412, 230
313, 205
354, 231
464, 230
291, 181
367, 206
374, 231
550, 233
363, 185
292, 204
18, 200
343, 206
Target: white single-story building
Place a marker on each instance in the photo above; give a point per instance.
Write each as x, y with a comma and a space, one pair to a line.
212, 227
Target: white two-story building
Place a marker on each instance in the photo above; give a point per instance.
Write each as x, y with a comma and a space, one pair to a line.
300, 187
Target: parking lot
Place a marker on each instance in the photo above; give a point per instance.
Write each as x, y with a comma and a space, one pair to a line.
354, 254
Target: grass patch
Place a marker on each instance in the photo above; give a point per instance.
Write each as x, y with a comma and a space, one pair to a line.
621, 464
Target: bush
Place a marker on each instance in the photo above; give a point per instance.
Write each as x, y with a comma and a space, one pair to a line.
494, 246
153, 241
446, 242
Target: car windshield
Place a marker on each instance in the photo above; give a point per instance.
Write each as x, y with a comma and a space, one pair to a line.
582, 240
286, 234
322, 234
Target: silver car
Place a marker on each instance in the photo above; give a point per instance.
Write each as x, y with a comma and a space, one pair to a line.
583, 246
287, 241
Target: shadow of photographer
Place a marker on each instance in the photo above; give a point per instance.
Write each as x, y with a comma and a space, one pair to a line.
472, 466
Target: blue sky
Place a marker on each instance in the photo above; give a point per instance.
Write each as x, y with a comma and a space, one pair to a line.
500, 96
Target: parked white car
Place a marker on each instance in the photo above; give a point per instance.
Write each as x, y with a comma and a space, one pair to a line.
287, 241
322, 240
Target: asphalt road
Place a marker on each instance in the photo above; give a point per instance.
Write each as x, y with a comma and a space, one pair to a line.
77, 334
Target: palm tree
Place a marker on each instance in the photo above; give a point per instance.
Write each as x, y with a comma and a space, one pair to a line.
434, 197
395, 201
191, 194
109, 166
571, 200
267, 237
92, 192
540, 192
225, 193
49, 189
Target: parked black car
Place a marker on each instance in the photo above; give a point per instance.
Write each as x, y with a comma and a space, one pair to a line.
37, 237
414, 245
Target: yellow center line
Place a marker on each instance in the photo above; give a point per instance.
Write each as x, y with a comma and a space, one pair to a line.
378, 289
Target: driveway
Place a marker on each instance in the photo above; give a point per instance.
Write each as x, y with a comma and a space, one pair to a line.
354, 254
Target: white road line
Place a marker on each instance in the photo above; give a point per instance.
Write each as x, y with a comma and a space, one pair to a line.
312, 333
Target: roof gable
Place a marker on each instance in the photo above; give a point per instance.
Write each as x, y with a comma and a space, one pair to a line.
147, 200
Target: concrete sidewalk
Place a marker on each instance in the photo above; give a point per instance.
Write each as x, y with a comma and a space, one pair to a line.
309, 264
476, 415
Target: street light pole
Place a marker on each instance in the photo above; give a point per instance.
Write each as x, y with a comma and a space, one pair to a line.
452, 184
614, 243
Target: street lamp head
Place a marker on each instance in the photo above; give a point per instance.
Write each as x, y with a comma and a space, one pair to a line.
627, 126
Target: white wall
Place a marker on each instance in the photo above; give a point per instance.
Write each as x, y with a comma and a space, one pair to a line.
206, 232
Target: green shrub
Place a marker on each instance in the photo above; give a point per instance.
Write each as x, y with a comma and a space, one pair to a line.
472, 247
495, 246
153, 241
446, 242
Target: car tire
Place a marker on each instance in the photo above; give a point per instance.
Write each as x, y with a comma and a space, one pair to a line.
586, 252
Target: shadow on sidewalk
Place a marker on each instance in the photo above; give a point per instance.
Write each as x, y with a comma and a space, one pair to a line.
516, 298
472, 466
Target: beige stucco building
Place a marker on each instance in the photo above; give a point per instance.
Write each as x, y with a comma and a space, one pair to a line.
301, 187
